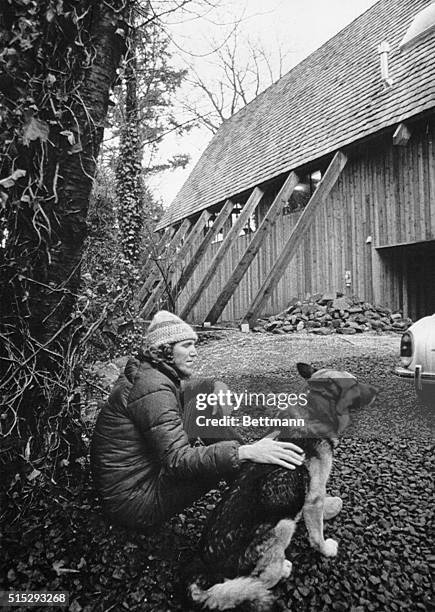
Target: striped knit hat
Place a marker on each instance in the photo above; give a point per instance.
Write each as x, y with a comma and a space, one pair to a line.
166, 328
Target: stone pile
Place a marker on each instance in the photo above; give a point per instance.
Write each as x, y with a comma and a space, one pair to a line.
330, 313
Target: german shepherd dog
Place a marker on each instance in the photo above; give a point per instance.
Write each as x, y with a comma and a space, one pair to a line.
243, 544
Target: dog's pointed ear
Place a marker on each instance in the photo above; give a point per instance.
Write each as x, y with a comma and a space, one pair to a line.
305, 369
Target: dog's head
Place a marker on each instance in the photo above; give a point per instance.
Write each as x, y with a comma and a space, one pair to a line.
332, 394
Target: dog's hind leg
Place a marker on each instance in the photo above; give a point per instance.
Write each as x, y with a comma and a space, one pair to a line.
319, 470
272, 565
266, 554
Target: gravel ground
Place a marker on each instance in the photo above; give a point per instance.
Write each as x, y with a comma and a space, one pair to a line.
383, 470
267, 363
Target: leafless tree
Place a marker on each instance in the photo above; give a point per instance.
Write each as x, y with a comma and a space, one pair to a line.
238, 71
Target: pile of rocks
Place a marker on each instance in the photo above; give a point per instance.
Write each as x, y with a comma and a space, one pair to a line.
333, 313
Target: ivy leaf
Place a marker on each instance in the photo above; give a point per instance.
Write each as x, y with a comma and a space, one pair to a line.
75, 149
59, 568
82, 563
70, 136
34, 474
34, 129
9, 181
49, 15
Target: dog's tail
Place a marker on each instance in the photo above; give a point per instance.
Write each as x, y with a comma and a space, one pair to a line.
231, 593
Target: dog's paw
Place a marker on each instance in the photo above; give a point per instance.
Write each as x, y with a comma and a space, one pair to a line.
286, 568
331, 548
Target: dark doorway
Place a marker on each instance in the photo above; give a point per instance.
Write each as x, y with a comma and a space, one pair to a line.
411, 277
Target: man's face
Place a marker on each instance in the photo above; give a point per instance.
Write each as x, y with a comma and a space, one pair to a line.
184, 355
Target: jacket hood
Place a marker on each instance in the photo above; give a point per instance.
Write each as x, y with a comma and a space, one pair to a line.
133, 365
131, 369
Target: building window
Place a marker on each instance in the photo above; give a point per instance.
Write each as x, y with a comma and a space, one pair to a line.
251, 225
302, 192
220, 235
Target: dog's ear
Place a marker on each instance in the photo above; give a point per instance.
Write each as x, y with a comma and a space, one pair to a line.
305, 369
368, 394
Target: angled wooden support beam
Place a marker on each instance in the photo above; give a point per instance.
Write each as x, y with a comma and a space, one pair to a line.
232, 235
155, 252
401, 136
195, 235
166, 251
155, 296
164, 283
297, 235
202, 248
154, 272
253, 248
181, 232
193, 240
164, 239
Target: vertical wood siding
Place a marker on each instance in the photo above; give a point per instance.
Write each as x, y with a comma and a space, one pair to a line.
385, 192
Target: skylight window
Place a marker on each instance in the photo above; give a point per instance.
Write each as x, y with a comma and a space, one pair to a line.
423, 24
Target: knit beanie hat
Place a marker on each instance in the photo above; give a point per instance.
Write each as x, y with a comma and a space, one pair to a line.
166, 328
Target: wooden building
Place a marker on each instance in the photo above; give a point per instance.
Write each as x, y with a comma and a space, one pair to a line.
324, 182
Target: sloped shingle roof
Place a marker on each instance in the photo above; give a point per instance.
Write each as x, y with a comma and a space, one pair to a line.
332, 98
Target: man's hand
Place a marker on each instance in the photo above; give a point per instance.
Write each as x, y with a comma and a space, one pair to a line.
267, 450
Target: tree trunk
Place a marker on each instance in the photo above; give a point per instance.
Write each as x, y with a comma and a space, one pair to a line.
55, 78
78, 171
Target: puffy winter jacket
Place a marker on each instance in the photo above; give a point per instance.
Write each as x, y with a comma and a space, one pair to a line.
143, 465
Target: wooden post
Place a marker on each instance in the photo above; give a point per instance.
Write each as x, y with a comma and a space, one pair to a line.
376, 263
164, 283
166, 249
194, 235
401, 136
232, 235
168, 253
253, 247
202, 248
164, 238
404, 269
194, 239
302, 225
152, 274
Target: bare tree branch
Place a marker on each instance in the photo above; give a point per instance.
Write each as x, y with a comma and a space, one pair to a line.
240, 71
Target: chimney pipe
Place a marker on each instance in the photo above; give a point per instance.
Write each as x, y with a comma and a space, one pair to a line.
383, 50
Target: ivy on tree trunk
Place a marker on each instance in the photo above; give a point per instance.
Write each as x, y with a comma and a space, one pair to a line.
57, 66
129, 181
